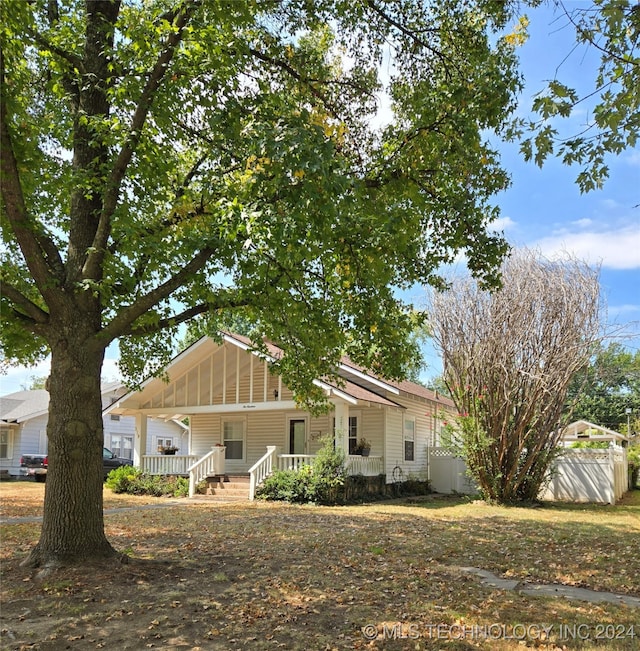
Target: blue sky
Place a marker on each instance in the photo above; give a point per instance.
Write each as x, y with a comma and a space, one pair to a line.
544, 208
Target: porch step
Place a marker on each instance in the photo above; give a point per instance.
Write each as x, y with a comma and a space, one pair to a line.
228, 488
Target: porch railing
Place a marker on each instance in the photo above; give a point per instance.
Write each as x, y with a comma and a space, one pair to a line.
355, 464
262, 468
166, 464
367, 466
211, 464
294, 461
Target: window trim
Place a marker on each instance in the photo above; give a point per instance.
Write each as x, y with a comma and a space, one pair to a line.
357, 415
164, 442
9, 432
243, 421
120, 450
406, 439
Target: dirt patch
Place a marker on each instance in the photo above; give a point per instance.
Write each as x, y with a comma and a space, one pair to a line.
384, 576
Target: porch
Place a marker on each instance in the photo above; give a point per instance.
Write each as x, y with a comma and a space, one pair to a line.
213, 464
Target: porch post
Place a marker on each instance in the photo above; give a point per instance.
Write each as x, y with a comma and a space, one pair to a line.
140, 443
342, 426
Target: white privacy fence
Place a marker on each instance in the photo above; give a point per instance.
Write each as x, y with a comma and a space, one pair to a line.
448, 473
588, 475
579, 475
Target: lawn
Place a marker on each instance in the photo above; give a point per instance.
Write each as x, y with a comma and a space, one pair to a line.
379, 576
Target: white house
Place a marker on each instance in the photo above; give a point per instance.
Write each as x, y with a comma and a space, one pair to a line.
244, 420
23, 428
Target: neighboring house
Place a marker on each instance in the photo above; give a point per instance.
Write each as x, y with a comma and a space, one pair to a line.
583, 430
241, 411
23, 428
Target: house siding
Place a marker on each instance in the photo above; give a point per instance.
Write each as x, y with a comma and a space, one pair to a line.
393, 453
372, 428
262, 429
426, 414
28, 438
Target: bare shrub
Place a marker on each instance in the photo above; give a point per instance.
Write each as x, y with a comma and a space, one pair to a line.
509, 357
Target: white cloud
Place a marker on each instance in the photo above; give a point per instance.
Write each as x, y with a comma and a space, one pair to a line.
611, 204
614, 249
501, 224
583, 223
632, 157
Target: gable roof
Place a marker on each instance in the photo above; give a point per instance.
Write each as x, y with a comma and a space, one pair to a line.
352, 388
572, 431
358, 385
23, 405
361, 383
350, 369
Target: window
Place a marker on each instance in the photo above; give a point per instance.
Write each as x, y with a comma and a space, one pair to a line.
164, 443
353, 434
233, 439
122, 446
409, 438
6, 444
114, 416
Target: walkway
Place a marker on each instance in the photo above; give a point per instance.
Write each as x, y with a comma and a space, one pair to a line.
552, 590
120, 509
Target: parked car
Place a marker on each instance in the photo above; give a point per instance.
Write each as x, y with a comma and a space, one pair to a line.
36, 464
111, 460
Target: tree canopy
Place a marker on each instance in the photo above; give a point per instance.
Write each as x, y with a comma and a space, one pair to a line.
602, 392
221, 157
169, 159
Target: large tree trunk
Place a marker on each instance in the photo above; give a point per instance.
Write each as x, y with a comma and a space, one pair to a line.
73, 525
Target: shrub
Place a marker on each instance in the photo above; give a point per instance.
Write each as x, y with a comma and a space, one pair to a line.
286, 486
121, 480
591, 445
321, 482
133, 481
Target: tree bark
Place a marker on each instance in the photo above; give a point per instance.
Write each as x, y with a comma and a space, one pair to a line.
73, 523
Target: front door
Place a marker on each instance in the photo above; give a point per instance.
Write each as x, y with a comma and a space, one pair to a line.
297, 437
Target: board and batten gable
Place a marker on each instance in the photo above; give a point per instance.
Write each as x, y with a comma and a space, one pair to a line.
222, 375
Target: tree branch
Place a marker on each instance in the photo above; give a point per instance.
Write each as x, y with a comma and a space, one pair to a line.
407, 32
97, 251
71, 59
122, 322
298, 77
35, 248
585, 35
30, 309
188, 315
